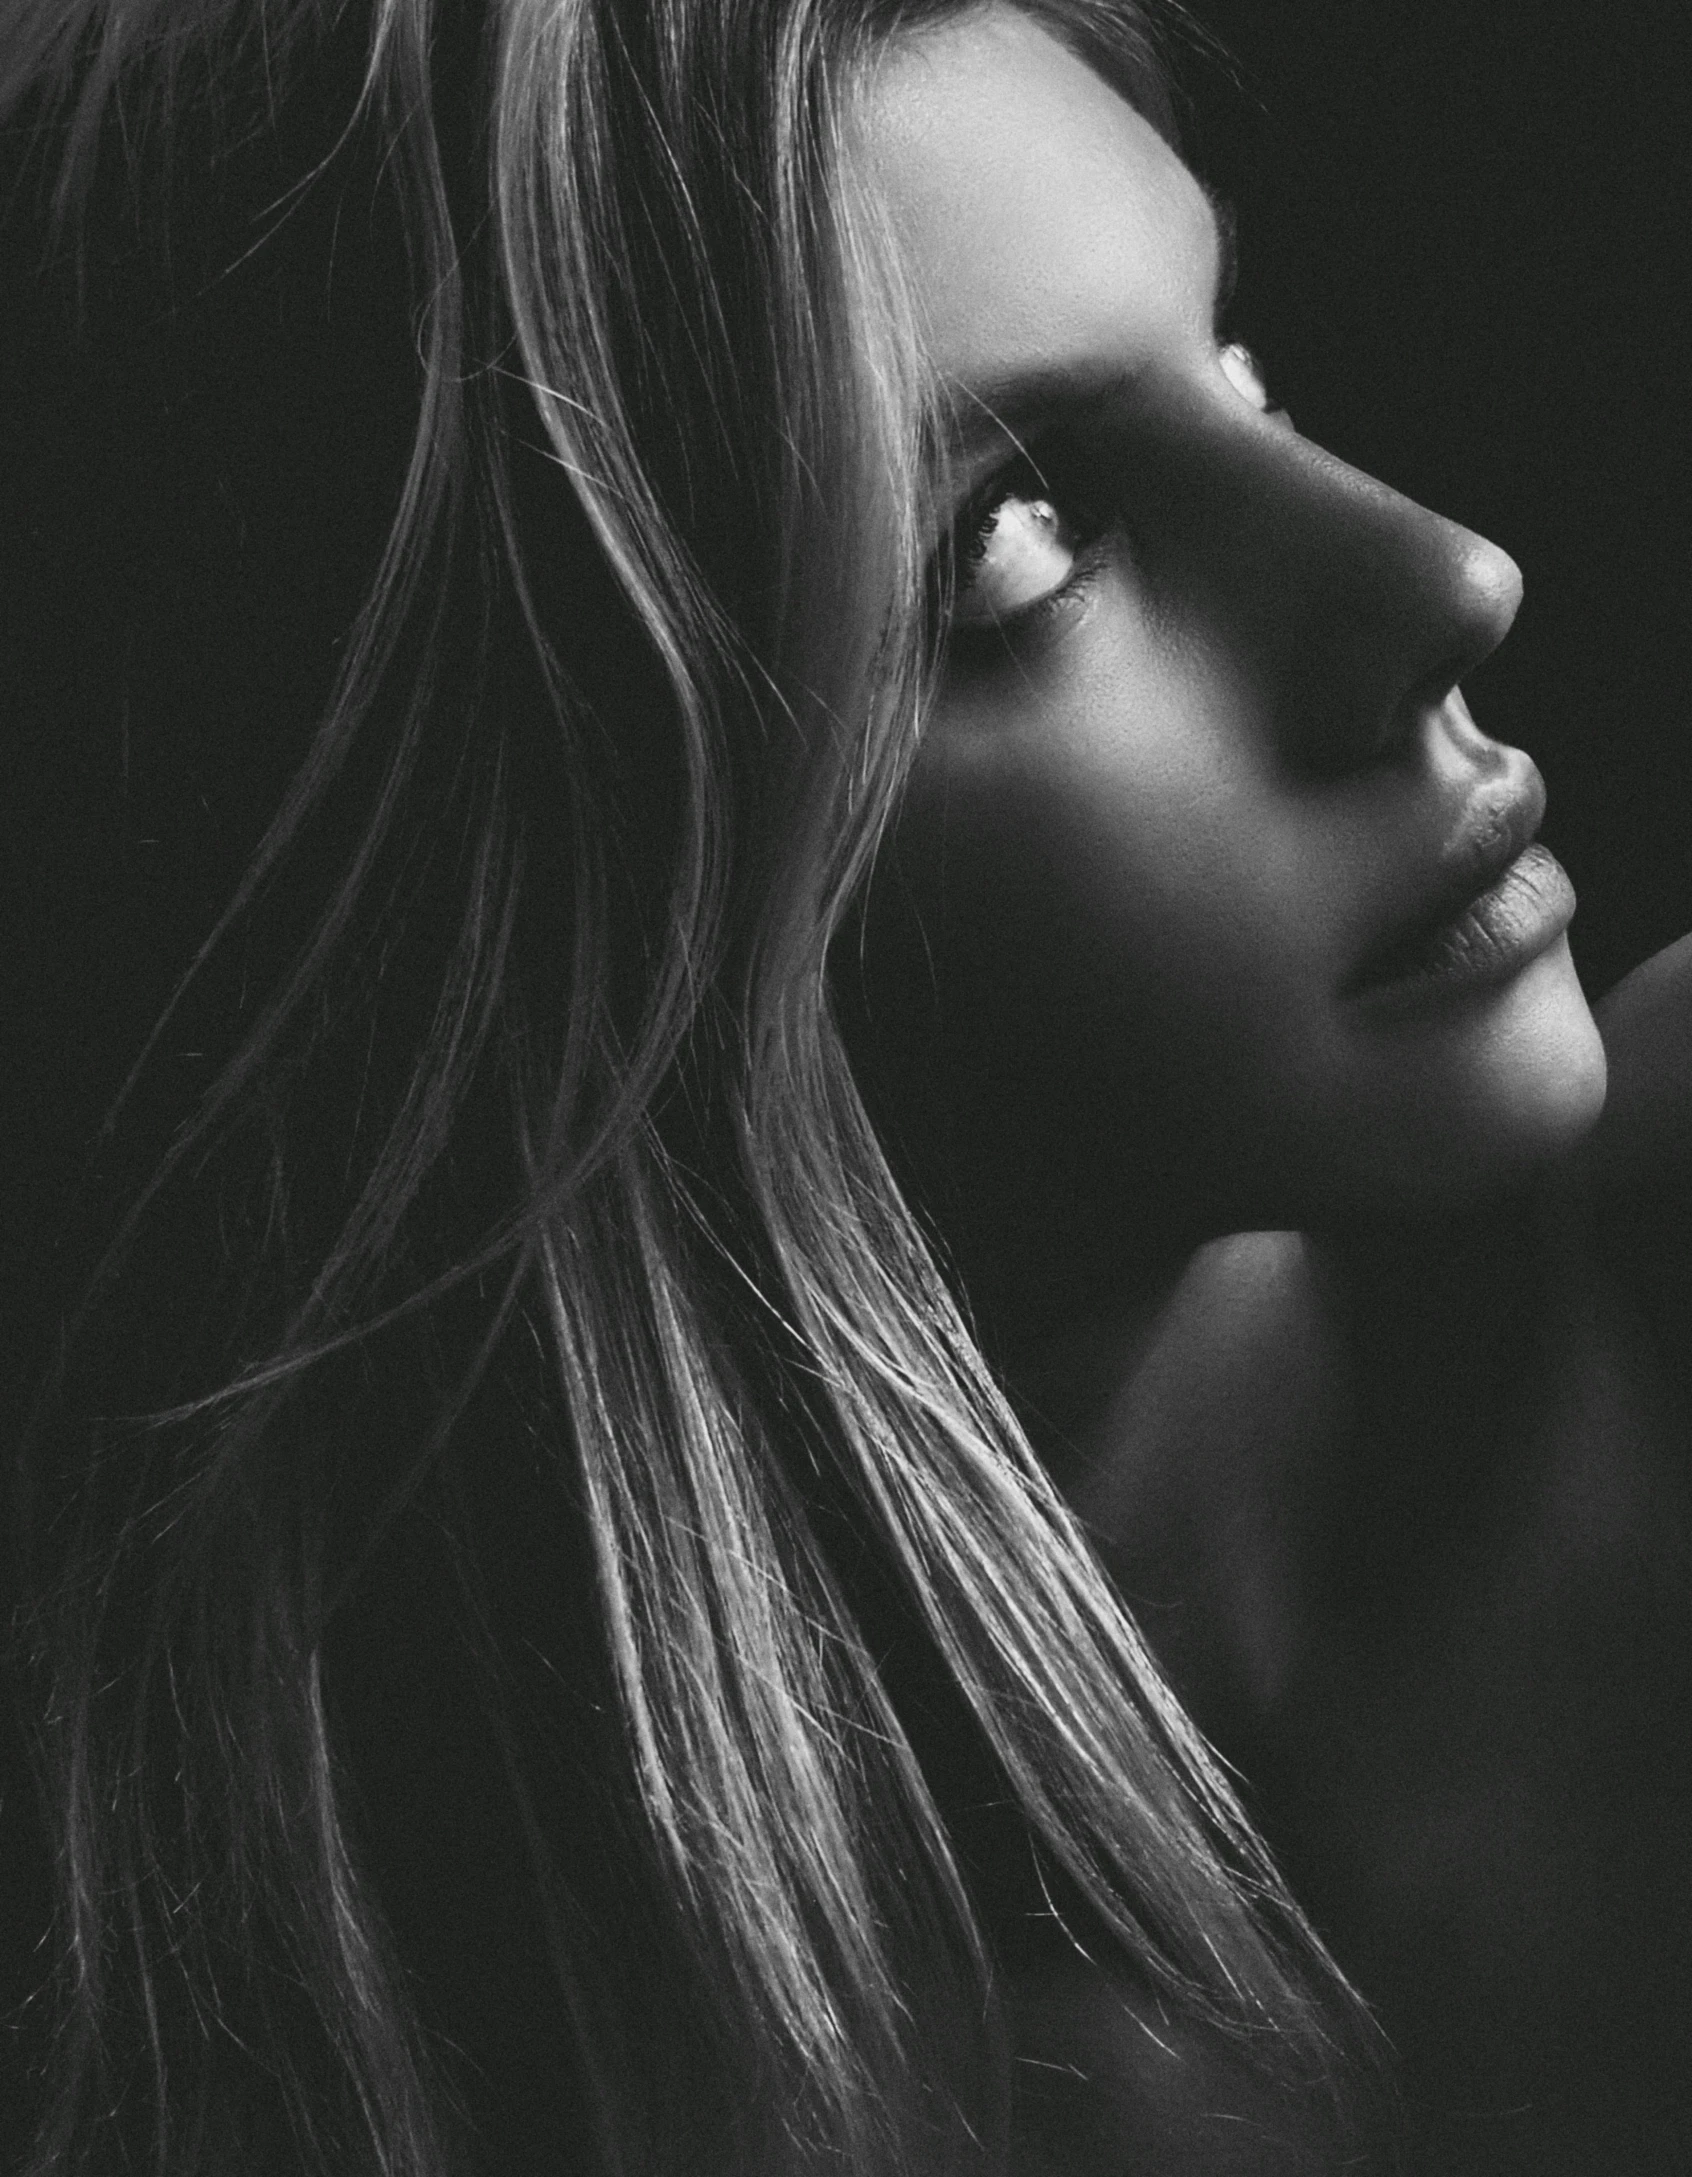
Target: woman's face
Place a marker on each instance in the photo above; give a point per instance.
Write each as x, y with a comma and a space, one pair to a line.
1149, 945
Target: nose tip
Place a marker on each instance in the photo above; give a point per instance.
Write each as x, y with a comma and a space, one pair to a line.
1485, 594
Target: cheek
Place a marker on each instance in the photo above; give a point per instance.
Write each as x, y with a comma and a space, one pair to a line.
1114, 887
1093, 968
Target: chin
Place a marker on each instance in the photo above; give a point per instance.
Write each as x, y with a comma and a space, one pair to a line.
1472, 1101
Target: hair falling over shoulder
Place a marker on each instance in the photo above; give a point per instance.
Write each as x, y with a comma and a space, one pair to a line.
545, 1269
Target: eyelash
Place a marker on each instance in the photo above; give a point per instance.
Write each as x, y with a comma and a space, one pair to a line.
1025, 477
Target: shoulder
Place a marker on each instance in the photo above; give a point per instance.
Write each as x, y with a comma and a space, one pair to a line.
1643, 1142
1646, 1023
1108, 2079
1632, 1178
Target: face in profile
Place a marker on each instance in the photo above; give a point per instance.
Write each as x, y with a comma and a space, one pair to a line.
1209, 905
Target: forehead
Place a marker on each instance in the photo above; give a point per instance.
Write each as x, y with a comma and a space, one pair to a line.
1048, 230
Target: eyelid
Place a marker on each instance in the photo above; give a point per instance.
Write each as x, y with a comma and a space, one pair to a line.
1024, 423
1021, 465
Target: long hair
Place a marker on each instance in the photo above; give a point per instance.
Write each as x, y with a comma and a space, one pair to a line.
560, 1282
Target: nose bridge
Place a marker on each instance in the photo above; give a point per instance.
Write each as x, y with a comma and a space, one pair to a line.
1371, 607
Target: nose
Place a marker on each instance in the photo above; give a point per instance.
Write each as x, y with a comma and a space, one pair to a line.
1390, 607
1362, 609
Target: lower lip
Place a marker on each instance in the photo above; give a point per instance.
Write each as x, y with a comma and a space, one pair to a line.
1491, 940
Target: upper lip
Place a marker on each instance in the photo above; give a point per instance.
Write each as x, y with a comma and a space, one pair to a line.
1495, 828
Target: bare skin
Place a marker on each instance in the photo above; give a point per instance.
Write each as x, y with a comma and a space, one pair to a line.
1272, 1161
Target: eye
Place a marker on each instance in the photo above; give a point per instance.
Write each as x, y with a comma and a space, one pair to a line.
1246, 375
1014, 554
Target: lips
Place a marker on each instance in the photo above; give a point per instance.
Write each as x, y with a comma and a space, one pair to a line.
1498, 900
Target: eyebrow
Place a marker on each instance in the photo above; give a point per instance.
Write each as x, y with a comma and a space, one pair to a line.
986, 419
